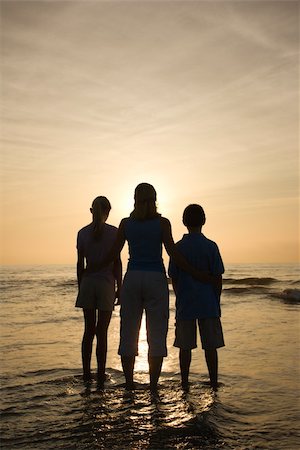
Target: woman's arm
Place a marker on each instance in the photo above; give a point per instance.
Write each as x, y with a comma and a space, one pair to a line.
178, 258
174, 284
117, 271
114, 252
116, 249
80, 266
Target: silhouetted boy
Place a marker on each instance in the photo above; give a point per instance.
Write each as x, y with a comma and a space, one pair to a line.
195, 300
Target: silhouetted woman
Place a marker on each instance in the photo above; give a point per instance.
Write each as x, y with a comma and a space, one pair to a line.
145, 285
97, 288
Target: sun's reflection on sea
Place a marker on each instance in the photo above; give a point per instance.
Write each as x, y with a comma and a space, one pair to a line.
170, 363
141, 362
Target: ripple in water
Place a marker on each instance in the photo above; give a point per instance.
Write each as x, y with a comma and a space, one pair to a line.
63, 413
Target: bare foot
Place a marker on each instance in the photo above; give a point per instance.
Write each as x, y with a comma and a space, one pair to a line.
185, 386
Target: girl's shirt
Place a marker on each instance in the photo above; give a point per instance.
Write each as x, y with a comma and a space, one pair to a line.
94, 250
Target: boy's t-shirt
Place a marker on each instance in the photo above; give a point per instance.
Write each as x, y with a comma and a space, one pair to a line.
195, 299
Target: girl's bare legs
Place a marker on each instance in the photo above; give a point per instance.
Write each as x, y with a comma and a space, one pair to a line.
87, 341
101, 350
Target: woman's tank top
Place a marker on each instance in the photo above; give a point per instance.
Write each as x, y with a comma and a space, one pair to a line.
145, 244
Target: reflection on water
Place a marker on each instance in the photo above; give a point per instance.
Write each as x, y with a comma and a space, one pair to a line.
58, 411
141, 362
44, 404
170, 419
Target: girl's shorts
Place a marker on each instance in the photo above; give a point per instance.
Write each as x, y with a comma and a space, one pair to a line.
96, 293
144, 290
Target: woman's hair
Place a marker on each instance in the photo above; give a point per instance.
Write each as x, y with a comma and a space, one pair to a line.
100, 210
144, 202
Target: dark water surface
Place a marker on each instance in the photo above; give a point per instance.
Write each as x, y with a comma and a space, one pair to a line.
45, 405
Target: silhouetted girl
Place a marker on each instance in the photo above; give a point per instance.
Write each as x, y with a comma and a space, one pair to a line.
97, 288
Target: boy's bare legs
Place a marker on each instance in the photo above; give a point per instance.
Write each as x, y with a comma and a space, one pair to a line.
211, 357
87, 341
101, 350
185, 357
128, 366
155, 364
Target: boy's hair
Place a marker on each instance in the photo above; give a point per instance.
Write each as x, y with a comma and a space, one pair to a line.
193, 216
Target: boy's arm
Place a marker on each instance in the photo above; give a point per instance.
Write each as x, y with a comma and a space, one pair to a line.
218, 284
218, 268
80, 266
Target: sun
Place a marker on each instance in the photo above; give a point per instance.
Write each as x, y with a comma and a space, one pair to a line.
124, 201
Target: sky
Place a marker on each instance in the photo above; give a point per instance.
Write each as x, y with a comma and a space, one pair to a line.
198, 98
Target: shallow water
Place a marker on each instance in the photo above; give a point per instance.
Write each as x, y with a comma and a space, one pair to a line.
45, 405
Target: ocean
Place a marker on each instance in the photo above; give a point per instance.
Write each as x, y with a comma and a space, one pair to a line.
45, 404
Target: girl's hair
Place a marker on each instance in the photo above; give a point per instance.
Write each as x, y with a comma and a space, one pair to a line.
100, 210
144, 202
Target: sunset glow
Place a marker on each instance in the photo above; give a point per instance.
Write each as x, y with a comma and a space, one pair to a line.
198, 98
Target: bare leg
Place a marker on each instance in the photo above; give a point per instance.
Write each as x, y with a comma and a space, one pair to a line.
101, 350
155, 364
211, 357
87, 341
128, 366
185, 358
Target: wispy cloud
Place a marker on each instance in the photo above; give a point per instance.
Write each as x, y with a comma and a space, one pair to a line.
200, 97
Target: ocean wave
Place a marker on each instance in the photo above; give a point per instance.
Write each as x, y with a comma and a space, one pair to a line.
245, 290
251, 281
289, 295
68, 414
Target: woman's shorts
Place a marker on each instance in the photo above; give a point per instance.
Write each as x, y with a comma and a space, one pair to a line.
210, 329
96, 293
144, 290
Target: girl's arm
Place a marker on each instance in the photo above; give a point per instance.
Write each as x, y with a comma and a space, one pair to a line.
178, 258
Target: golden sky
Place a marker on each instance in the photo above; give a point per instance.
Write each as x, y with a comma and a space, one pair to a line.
199, 98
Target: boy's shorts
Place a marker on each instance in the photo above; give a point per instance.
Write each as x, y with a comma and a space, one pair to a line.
144, 290
96, 293
210, 332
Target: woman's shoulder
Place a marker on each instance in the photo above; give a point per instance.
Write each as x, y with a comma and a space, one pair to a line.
124, 221
164, 221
